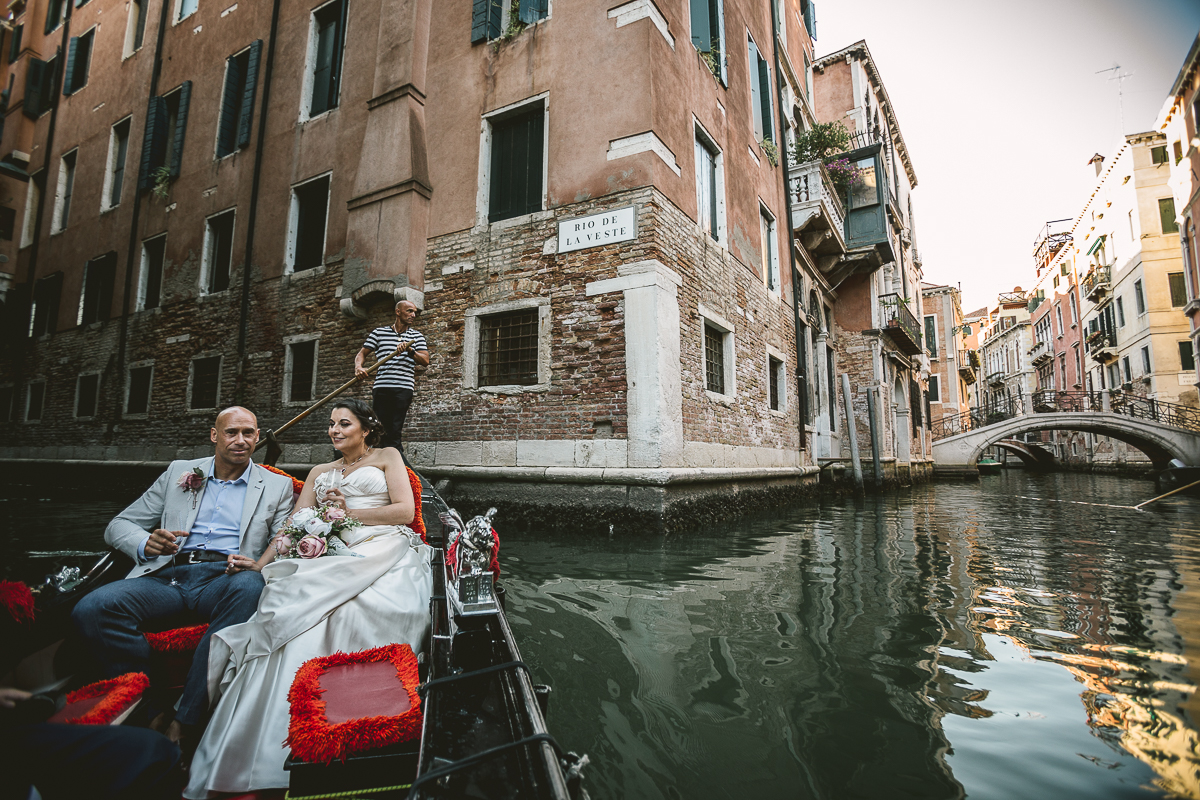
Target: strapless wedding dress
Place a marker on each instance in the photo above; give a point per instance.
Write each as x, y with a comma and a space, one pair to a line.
309, 608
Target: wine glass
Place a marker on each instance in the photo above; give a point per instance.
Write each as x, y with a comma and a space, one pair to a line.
175, 521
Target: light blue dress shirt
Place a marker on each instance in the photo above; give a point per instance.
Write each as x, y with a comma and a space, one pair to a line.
218, 524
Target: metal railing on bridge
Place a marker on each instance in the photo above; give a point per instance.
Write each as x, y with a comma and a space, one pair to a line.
1050, 402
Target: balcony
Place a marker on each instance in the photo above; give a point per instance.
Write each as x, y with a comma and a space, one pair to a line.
1102, 346
818, 216
995, 379
1040, 353
968, 362
899, 324
1097, 285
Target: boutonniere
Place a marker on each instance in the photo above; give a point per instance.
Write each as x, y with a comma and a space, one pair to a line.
191, 482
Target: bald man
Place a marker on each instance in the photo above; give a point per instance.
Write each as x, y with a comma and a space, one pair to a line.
395, 381
195, 535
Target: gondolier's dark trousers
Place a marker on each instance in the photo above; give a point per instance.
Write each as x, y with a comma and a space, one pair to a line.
392, 407
108, 619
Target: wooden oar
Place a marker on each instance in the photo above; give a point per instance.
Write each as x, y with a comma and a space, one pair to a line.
356, 379
1168, 494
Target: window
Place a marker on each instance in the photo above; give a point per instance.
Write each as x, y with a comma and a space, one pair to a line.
931, 340
710, 206
218, 253
324, 72
137, 388
237, 100
508, 348
79, 62
1178, 147
1158, 155
185, 8
1120, 312
40, 86
8, 223
46, 295
770, 252
809, 11
300, 370
7, 401
517, 163
1058, 317
204, 382
1187, 356
1139, 298
935, 389
66, 187
714, 359
14, 45
55, 11
118, 148
306, 243
95, 300
1146, 361
1074, 309
1166, 213
1128, 371
135, 26
489, 18
33, 193
1078, 366
776, 382
708, 34
87, 389
150, 280
1178, 289
760, 94
35, 400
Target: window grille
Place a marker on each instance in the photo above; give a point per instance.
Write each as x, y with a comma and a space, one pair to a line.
775, 367
714, 359
516, 165
508, 349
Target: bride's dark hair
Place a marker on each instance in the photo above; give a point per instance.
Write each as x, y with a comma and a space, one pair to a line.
366, 417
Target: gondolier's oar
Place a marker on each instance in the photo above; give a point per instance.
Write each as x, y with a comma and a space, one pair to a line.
1168, 494
356, 379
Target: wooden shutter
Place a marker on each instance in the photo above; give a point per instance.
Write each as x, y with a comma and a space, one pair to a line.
323, 68
810, 19
14, 46
153, 142
32, 104
53, 10
69, 76
764, 96
701, 30
756, 106
185, 98
716, 24
527, 11
479, 21
251, 83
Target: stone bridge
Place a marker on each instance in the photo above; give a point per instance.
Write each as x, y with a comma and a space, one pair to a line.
1160, 430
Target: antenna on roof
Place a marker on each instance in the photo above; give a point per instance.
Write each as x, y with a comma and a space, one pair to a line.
1119, 77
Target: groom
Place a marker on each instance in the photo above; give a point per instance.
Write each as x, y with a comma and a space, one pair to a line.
229, 509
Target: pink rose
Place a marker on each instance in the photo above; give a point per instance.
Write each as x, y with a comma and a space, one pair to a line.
333, 514
283, 544
191, 481
311, 547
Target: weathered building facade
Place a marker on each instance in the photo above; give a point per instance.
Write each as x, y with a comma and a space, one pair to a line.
952, 366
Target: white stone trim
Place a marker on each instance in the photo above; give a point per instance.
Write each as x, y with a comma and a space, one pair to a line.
111, 163
310, 65
642, 9
483, 191
470, 365
729, 354
660, 476
206, 254
641, 143
293, 229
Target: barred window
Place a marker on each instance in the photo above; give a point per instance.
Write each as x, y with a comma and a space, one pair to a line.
508, 348
714, 359
774, 371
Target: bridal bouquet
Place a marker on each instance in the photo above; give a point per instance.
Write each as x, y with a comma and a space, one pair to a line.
313, 532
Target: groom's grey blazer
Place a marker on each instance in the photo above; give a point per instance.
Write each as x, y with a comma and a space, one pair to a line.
268, 503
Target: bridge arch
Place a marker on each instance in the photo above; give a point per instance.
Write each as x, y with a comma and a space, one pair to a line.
1034, 458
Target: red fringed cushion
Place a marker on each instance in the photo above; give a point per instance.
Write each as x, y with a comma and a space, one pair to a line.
18, 600
297, 485
102, 702
493, 565
418, 523
330, 697
176, 640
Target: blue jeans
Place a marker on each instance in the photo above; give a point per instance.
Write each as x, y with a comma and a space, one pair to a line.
108, 620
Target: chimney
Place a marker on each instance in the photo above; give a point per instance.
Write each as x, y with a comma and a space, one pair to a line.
1098, 160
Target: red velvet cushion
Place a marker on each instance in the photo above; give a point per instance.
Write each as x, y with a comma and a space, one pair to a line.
418, 523
102, 702
176, 640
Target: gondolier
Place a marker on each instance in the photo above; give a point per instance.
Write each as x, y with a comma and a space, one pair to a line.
392, 392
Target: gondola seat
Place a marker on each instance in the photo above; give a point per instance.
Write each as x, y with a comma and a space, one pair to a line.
104, 702
172, 648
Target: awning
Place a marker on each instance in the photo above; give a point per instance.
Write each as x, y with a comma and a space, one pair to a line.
1096, 244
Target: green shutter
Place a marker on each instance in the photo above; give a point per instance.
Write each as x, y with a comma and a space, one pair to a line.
14, 46
764, 81
185, 98
810, 19
756, 106
1166, 213
69, 76
479, 21
251, 83
701, 30
32, 104
227, 124
153, 142
527, 11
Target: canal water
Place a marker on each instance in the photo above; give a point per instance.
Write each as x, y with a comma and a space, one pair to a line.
955, 639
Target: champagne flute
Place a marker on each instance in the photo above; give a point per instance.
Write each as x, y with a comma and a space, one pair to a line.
175, 521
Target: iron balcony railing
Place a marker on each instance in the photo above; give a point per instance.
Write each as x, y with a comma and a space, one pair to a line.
1040, 352
1101, 344
968, 362
899, 323
1097, 282
995, 378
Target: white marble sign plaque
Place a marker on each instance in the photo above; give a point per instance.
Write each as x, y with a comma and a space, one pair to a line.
597, 229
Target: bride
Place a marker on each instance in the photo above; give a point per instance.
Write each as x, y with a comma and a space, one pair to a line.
315, 607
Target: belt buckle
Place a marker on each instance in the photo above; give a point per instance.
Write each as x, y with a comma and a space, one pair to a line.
193, 557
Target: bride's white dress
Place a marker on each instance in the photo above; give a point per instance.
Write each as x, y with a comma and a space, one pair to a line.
309, 608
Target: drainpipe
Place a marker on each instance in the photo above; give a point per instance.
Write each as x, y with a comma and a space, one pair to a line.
801, 376
131, 249
252, 217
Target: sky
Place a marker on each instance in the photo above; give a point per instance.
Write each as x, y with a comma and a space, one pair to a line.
1001, 107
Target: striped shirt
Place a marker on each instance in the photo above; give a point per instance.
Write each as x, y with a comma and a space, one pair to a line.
398, 373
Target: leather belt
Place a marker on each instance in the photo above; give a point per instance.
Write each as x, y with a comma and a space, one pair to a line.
197, 556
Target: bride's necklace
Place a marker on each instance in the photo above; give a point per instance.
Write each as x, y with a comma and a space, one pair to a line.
355, 461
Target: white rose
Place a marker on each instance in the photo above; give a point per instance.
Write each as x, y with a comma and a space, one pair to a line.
317, 526
303, 516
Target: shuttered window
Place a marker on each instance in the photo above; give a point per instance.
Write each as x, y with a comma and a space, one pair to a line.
327, 58
516, 164
310, 202
66, 190
162, 141
237, 100
1178, 289
218, 246
135, 30
14, 44
137, 395
118, 149
931, 342
55, 10
177, 103
1166, 213
99, 275
708, 33
490, 19
40, 87
153, 255
706, 189
87, 392
809, 10
79, 62
760, 94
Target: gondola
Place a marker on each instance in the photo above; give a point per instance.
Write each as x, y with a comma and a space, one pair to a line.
1177, 476
483, 732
